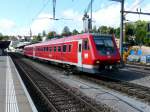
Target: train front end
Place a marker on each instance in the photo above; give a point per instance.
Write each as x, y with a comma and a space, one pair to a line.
107, 56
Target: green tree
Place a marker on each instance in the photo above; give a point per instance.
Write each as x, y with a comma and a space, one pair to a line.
1, 36
111, 30
6, 37
66, 31
37, 38
44, 33
103, 30
51, 34
75, 32
117, 32
82, 31
147, 41
140, 31
129, 31
94, 30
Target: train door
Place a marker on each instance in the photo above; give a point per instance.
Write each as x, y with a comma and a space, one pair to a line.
80, 54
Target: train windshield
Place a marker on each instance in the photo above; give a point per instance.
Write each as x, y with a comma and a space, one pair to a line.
104, 45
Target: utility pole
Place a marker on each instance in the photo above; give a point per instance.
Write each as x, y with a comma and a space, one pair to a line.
54, 7
91, 14
121, 28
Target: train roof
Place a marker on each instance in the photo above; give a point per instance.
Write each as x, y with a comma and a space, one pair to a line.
66, 39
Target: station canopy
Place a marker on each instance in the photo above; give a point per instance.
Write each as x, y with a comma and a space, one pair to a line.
4, 44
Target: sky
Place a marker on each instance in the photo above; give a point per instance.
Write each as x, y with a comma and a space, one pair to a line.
17, 17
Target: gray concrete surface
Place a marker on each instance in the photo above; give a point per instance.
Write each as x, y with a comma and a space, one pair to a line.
113, 99
13, 94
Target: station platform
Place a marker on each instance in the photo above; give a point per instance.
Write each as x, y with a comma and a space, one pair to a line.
14, 96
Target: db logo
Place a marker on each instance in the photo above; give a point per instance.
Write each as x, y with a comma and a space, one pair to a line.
108, 56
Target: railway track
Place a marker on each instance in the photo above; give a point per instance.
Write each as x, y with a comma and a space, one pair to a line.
138, 68
133, 90
144, 67
53, 95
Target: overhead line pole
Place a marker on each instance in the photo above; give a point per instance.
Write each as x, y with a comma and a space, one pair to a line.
54, 7
121, 29
91, 13
133, 12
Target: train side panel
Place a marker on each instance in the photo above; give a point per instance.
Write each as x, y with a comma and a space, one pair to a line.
85, 51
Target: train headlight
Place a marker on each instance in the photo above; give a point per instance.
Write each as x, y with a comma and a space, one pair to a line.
118, 61
97, 62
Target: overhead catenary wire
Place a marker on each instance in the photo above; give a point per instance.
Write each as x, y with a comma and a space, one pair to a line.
46, 3
135, 6
104, 7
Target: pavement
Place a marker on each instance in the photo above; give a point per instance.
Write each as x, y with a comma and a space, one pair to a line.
14, 96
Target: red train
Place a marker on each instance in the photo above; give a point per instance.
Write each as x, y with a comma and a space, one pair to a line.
87, 52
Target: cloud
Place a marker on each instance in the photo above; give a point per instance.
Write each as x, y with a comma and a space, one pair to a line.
42, 23
108, 16
134, 5
6, 25
72, 14
135, 17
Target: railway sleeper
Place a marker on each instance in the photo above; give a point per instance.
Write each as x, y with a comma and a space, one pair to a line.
58, 95
147, 99
63, 100
75, 108
70, 105
67, 102
125, 89
141, 94
132, 91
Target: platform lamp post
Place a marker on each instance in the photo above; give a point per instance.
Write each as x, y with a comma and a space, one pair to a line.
121, 27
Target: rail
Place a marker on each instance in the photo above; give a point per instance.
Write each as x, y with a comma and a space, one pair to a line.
55, 95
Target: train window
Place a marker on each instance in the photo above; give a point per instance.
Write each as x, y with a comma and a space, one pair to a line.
104, 45
86, 45
50, 49
46, 48
59, 48
55, 49
64, 48
80, 47
69, 50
